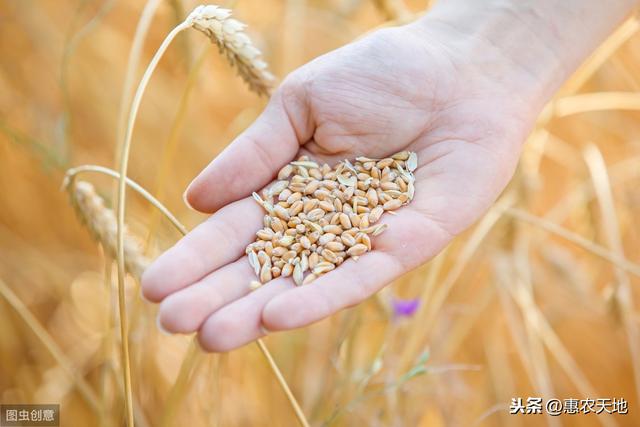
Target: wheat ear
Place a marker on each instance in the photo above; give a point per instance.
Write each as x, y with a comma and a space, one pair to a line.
228, 33
71, 174
101, 222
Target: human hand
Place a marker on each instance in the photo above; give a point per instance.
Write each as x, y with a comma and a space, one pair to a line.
457, 100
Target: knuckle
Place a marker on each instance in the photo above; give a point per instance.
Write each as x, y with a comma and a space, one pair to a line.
294, 88
292, 84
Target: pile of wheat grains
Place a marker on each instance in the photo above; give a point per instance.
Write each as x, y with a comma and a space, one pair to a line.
318, 216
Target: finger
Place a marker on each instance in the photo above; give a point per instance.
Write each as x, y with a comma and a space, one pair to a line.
252, 160
219, 240
186, 310
349, 284
240, 322
408, 241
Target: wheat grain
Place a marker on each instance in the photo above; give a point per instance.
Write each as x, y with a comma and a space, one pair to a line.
228, 33
101, 222
316, 216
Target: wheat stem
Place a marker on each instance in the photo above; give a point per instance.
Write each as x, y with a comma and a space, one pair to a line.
180, 384
124, 161
107, 343
595, 101
169, 149
623, 33
51, 346
144, 23
602, 186
393, 10
586, 244
283, 383
471, 246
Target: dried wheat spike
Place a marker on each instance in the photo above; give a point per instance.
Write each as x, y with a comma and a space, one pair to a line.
216, 23
101, 222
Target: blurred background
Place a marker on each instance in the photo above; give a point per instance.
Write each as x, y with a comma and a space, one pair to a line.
537, 299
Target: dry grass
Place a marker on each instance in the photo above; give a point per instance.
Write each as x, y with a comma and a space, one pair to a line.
538, 298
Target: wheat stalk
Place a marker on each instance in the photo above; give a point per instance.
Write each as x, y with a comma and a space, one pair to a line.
586, 244
241, 53
228, 33
101, 222
394, 10
120, 240
133, 62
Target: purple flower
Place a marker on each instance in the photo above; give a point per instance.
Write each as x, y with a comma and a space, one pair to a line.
405, 307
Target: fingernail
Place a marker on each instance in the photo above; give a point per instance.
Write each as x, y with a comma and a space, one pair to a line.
185, 200
160, 328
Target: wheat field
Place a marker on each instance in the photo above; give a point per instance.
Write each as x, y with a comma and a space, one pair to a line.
537, 299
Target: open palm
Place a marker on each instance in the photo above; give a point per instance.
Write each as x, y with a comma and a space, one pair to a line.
397, 89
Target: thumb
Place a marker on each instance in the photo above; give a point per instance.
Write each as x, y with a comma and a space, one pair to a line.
256, 155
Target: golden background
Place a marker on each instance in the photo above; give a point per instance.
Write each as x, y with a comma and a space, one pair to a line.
537, 299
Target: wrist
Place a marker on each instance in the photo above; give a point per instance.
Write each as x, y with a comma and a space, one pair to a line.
528, 47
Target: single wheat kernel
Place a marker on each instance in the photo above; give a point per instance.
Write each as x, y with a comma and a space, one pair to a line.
334, 229
335, 246
392, 205
285, 172
403, 155
275, 271
265, 273
265, 234
357, 249
323, 267
366, 240
330, 256
412, 162
298, 277
310, 278
347, 239
379, 229
287, 270
326, 238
